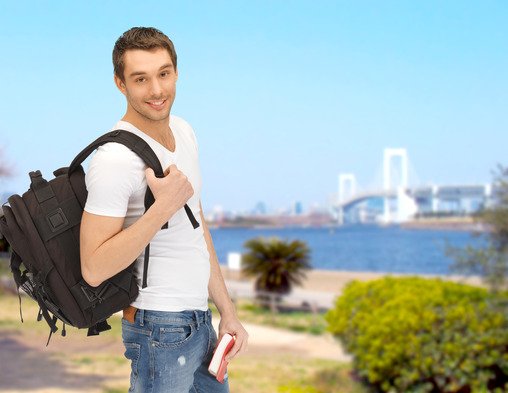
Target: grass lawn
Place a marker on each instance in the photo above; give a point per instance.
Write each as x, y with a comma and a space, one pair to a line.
297, 321
102, 357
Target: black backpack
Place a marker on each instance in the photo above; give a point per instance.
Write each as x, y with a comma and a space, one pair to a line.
42, 228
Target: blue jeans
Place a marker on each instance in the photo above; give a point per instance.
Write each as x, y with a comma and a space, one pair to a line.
170, 352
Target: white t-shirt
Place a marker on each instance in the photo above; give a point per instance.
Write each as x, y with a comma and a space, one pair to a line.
179, 267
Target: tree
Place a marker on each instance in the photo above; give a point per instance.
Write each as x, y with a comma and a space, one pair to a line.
490, 261
277, 264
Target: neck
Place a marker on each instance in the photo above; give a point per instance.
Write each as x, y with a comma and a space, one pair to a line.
155, 129
158, 130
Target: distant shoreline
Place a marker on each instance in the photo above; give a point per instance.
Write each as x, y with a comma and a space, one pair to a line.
448, 223
319, 280
445, 223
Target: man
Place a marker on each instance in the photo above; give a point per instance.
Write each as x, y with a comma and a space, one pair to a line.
167, 331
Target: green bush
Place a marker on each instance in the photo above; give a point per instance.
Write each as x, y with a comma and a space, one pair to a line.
421, 335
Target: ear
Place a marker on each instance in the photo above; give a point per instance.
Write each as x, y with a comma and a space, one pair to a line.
119, 84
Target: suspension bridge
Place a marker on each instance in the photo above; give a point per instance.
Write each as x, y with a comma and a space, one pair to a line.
396, 202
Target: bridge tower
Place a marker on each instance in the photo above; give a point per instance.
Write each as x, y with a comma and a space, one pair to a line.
389, 155
347, 189
406, 206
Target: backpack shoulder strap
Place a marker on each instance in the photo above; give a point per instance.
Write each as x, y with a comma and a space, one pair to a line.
135, 143
139, 146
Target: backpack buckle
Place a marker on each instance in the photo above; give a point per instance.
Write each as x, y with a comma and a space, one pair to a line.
56, 220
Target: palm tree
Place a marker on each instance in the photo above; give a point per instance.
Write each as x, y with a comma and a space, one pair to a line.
277, 264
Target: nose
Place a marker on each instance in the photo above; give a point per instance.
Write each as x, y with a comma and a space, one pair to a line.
156, 88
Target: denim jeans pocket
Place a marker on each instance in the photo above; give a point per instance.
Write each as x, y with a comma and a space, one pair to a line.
174, 336
132, 352
131, 330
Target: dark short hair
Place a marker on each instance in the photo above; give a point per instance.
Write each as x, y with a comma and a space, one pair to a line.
145, 38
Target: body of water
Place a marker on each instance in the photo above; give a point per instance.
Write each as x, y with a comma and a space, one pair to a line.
360, 248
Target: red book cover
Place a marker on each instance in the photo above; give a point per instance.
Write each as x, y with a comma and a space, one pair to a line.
218, 364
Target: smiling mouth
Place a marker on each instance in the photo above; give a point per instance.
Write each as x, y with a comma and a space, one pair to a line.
156, 104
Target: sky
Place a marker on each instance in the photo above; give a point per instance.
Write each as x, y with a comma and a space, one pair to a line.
282, 95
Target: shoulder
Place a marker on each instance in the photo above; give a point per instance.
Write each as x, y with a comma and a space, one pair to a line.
185, 128
114, 174
179, 121
114, 159
182, 124
116, 154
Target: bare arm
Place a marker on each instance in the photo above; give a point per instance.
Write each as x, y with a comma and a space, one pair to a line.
229, 322
106, 249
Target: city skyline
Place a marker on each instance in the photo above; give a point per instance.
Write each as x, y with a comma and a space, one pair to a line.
282, 99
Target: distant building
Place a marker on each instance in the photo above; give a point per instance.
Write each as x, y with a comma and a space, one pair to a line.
297, 209
217, 214
259, 209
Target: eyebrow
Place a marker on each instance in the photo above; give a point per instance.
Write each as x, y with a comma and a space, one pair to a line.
137, 73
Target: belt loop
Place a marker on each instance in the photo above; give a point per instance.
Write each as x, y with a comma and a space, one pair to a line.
141, 317
196, 315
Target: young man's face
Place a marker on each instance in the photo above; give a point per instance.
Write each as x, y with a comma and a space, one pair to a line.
150, 84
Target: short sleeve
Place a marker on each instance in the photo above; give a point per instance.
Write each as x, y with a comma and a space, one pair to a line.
188, 130
114, 174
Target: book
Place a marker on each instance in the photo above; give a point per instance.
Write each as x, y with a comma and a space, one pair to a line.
218, 364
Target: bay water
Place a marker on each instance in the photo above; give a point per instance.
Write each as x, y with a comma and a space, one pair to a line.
390, 249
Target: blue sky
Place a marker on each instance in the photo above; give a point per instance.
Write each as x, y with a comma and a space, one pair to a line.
283, 95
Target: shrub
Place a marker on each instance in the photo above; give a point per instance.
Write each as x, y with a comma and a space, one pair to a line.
421, 335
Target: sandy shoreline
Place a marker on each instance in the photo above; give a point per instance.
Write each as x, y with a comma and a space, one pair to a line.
335, 280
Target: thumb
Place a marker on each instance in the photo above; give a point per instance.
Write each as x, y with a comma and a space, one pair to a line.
150, 175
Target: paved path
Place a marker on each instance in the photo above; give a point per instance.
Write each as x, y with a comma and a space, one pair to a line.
271, 340
27, 365
264, 338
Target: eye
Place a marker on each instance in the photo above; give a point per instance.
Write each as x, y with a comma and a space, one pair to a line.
164, 74
140, 80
